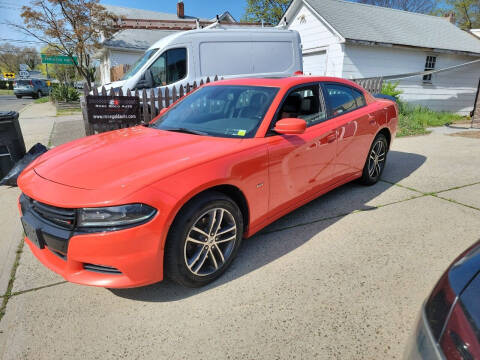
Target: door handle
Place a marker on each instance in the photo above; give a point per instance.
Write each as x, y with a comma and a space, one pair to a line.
331, 138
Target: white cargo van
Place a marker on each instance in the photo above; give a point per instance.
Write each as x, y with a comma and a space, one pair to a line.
189, 56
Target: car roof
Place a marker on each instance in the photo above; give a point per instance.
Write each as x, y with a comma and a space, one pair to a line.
282, 81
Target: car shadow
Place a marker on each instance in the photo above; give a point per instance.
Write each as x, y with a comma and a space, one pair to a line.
289, 232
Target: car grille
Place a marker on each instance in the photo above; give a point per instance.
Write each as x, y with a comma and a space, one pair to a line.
101, 269
62, 217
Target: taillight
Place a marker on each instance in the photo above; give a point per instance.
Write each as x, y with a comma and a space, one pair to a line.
459, 341
438, 306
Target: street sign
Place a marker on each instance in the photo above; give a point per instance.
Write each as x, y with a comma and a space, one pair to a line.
23, 67
57, 59
8, 75
24, 74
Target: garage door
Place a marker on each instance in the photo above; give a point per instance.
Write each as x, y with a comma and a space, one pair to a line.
315, 63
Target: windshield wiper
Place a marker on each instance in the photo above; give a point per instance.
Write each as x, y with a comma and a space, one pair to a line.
187, 131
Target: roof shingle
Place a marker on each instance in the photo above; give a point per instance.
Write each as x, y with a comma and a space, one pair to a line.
384, 25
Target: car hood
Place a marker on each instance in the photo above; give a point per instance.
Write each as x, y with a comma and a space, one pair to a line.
127, 158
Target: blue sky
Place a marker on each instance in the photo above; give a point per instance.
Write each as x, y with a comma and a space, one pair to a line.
10, 11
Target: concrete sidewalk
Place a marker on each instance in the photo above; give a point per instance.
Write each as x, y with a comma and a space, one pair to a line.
38, 123
340, 278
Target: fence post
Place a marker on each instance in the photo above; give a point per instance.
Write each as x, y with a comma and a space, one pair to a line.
188, 88
153, 109
215, 78
83, 105
180, 93
145, 106
167, 98
174, 94
160, 100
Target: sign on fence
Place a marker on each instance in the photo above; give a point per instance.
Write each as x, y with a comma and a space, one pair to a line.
113, 109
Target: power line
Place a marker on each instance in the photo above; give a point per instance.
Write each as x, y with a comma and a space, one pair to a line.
21, 41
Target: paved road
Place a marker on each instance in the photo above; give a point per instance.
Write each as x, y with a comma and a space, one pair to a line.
343, 277
10, 102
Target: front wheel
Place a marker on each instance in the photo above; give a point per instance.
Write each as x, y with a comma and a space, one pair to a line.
38, 95
204, 240
376, 160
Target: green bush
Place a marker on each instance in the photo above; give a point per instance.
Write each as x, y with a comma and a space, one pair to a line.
391, 89
64, 92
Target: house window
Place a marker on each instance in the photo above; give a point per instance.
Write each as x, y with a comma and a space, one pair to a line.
429, 65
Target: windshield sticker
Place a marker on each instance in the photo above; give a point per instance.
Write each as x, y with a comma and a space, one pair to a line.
241, 132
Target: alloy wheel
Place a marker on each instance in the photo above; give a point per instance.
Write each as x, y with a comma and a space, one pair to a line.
210, 242
376, 160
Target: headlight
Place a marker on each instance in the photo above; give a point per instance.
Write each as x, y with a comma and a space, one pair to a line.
114, 215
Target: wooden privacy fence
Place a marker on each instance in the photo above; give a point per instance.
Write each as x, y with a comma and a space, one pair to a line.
372, 85
151, 102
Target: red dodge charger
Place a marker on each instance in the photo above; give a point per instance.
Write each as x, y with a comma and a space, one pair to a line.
176, 197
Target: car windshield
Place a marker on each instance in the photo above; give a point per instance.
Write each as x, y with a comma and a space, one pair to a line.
220, 110
139, 63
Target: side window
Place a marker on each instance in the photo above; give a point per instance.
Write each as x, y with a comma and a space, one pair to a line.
170, 67
304, 103
359, 98
342, 99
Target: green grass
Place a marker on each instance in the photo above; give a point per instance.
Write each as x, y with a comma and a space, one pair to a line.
6, 92
62, 112
42, 100
414, 120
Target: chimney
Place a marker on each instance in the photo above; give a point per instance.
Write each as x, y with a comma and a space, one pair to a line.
180, 9
450, 17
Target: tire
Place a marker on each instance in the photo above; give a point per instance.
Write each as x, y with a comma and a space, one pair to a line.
190, 262
38, 95
376, 160
18, 96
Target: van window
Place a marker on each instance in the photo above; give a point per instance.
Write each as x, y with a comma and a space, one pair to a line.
139, 63
170, 67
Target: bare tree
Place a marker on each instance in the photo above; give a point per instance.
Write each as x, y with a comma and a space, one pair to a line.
73, 28
419, 6
12, 56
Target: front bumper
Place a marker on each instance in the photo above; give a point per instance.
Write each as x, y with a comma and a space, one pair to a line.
422, 345
124, 258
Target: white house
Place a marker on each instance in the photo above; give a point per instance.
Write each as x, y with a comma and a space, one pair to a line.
351, 40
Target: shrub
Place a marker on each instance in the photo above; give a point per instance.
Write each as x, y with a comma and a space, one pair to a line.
391, 89
64, 92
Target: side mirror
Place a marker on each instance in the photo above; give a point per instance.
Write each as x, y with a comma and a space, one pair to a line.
146, 81
290, 126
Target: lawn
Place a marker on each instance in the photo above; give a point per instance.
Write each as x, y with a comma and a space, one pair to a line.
42, 100
414, 120
6, 92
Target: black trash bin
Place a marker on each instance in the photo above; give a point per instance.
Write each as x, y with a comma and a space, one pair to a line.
12, 146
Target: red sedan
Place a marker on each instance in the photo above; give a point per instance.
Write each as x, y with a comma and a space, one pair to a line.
176, 197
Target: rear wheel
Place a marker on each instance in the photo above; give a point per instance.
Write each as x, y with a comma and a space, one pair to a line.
18, 96
204, 240
377, 157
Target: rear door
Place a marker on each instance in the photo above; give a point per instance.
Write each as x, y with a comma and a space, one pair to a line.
355, 127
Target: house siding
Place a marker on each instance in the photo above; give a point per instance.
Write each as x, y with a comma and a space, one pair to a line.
450, 91
318, 40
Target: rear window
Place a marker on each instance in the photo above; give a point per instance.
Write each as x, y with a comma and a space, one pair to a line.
23, 82
470, 303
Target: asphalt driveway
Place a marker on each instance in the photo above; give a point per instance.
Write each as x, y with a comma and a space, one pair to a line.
341, 278
11, 103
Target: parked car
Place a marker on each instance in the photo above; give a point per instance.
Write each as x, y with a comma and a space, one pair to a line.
448, 327
176, 197
35, 88
189, 56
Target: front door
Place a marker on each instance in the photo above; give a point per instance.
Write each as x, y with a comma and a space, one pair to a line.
300, 165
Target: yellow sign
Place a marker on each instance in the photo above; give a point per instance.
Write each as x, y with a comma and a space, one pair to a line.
8, 75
